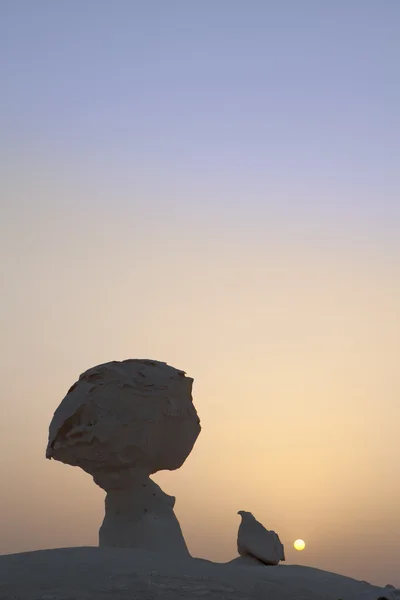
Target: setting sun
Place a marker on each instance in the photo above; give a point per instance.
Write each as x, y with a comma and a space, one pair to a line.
299, 544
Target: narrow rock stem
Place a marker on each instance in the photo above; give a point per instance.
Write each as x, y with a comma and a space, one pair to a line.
142, 516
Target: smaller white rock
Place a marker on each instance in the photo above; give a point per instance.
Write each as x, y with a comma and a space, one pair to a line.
255, 540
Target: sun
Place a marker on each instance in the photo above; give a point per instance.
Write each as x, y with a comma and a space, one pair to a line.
299, 544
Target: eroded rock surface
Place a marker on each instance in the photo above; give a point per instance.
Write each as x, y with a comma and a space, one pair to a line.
257, 542
121, 422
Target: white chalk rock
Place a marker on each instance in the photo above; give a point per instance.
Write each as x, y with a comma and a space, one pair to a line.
142, 516
121, 422
256, 541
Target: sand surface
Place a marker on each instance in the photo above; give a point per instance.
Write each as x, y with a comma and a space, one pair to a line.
92, 573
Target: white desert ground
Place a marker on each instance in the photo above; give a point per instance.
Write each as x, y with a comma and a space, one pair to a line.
128, 574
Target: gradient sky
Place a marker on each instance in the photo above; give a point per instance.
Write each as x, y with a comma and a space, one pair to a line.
214, 184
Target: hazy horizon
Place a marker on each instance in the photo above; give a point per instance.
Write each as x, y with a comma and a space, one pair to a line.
214, 185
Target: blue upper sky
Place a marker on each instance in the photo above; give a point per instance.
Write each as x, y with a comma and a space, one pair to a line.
262, 103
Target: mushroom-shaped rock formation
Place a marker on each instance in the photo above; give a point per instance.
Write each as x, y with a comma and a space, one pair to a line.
256, 541
121, 422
